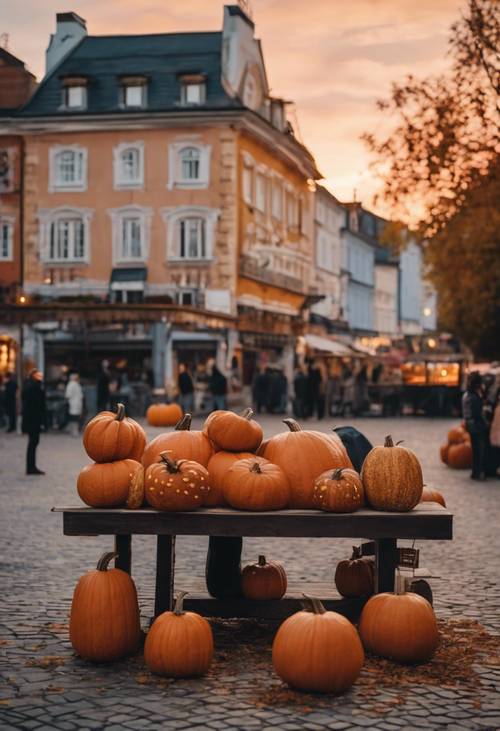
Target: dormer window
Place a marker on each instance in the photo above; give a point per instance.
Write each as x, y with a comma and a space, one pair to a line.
134, 92
193, 90
74, 93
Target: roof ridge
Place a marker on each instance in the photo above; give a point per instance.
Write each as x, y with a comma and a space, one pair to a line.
149, 35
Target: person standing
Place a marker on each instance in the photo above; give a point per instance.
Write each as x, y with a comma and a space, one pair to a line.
300, 388
10, 401
34, 417
186, 389
260, 389
74, 395
103, 387
476, 424
217, 385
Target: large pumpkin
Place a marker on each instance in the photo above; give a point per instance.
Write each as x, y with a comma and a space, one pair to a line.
303, 455
339, 491
107, 484
218, 468
401, 627
392, 478
317, 651
108, 437
182, 443
256, 484
233, 432
432, 496
355, 576
104, 623
179, 644
263, 580
163, 414
460, 456
175, 484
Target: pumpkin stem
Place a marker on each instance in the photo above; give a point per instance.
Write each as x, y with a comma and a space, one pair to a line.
292, 424
400, 442
388, 441
179, 601
247, 413
337, 474
311, 604
256, 468
183, 424
120, 412
103, 563
171, 465
356, 552
262, 560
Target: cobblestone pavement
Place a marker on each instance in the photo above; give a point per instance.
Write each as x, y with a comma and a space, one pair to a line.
45, 686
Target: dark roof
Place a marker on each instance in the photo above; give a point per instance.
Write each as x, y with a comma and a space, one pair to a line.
10, 59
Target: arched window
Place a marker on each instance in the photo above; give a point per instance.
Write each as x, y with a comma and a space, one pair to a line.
129, 165
65, 235
190, 232
190, 163
68, 168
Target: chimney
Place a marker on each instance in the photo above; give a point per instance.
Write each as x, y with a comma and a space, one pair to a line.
238, 44
70, 29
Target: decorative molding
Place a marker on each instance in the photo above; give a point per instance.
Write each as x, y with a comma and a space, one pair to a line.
47, 216
118, 182
172, 216
175, 180
144, 214
56, 185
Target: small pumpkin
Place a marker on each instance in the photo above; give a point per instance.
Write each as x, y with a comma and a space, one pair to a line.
443, 453
318, 651
233, 432
179, 644
163, 414
218, 467
175, 484
256, 484
400, 627
457, 435
355, 576
392, 478
338, 491
182, 443
108, 437
460, 456
107, 484
104, 623
429, 495
263, 580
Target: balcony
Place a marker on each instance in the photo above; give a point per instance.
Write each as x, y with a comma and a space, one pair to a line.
268, 268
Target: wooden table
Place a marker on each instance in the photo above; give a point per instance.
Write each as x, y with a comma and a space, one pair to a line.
428, 521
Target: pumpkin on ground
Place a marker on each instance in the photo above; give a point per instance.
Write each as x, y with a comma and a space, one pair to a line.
179, 643
163, 414
218, 467
460, 456
443, 453
182, 443
457, 435
263, 580
317, 651
400, 627
108, 437
104, 623
233, 432
303, 455
175, 484
429, 495
107, 484
355, 576
256, 484
339, 491
392, 478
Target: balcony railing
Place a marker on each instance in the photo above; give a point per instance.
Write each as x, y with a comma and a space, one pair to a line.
253, 269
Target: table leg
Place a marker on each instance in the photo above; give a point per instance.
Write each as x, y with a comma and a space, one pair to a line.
386, 561
165, 566
123, 546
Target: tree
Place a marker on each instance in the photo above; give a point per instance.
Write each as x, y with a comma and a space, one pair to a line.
440, 173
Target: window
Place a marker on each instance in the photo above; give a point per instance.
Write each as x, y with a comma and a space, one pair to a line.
277, 200
190, 163
292, 210
133, 93
129, 165
68, 168
248, 185
64, 235
261, 192
193, 92
130, 233
75, 97
128, 296
192, 239
131, 239
6, 239
190, 232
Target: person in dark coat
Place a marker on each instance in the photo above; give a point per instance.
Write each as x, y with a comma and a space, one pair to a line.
476, 424
186, 389
217, 385
10, 401
34, 417
300, 394
103, 383
260, 389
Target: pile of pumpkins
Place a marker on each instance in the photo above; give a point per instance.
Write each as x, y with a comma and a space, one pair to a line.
457, 452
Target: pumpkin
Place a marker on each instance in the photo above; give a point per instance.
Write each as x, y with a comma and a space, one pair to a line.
429, 495
263, 580
104, 623
179, 644
175, 484
317, 651
108, 437
303, 455
400, 627
338, 491
182, 443
163, 414
256, 484
135, 497
443, 452
457, 435
355, 576
392, 478
107, 484
218, 468
460, 456
233, 432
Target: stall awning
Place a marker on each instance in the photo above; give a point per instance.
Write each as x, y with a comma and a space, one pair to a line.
132, 278
326, 345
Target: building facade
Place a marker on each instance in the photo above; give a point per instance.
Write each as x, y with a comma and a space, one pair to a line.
359, 265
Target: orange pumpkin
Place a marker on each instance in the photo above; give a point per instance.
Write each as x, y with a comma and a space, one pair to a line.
457, 435
432, 496
108, 437
104, 623
355, 576
135, 497
338, 491
175, 484
263, 580
303, 455
233, 432
460, 456
163, 414
256, 484
182, 443
107, 484
317, 651
392, 478
443, 453
218, 468
179, 644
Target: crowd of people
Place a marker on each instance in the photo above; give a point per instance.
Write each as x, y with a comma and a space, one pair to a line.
481, 413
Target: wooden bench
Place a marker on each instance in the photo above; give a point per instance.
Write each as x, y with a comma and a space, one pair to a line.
428, 521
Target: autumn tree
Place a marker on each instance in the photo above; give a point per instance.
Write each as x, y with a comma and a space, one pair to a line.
440, 174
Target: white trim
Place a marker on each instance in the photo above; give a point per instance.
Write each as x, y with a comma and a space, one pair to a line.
144, 214
127, 286
175, 167
56, 184
9, 222
48, 216
173, 216
118, 182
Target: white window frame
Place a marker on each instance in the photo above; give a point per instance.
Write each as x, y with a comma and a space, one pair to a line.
125, 86
118, 216
262, 201
202, 93
175, 179
277, 198
120, 181
248, 179
49, 216
55, 182
172, 218
67, 88
7, 223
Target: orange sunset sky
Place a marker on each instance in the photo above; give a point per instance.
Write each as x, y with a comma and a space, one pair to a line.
332, 57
